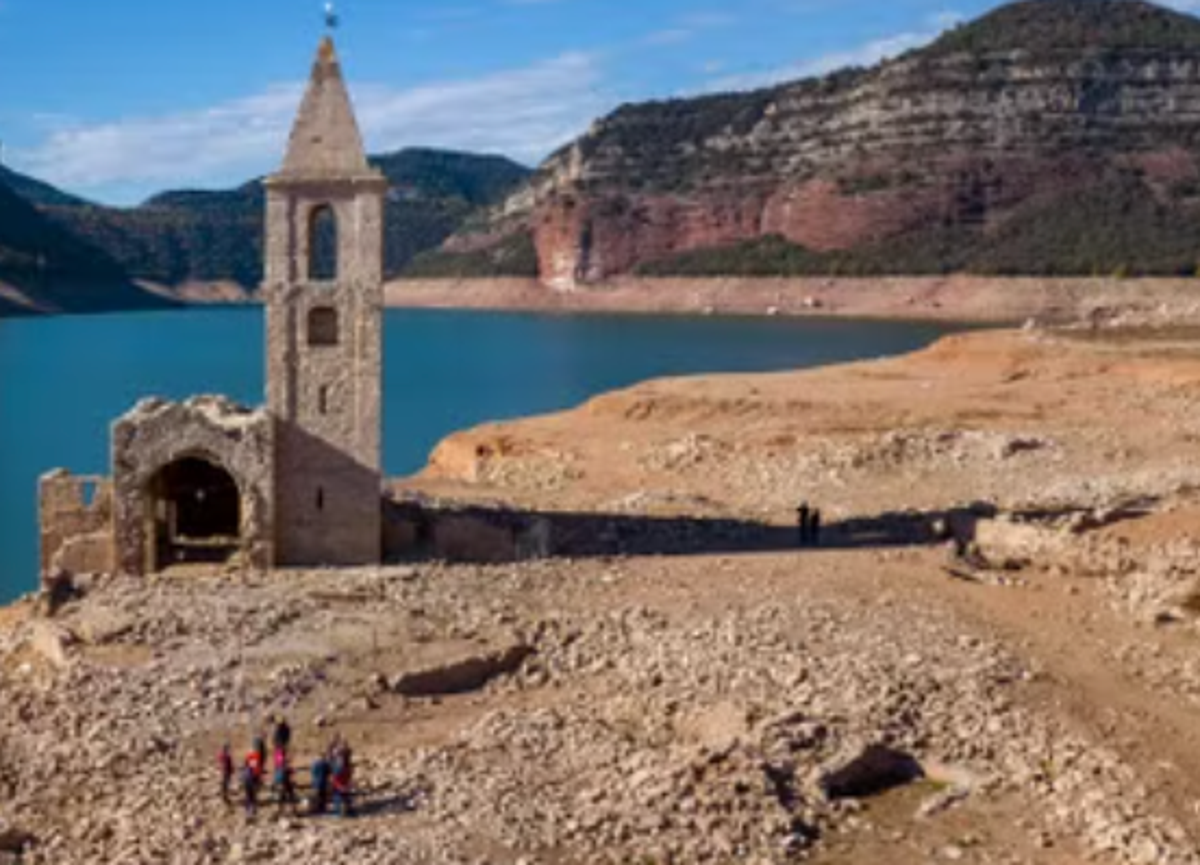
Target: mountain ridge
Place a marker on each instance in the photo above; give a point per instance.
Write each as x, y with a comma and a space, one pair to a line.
180, 236
51, 270
1046, 137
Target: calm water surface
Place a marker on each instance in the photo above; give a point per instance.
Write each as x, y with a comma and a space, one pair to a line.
63, 380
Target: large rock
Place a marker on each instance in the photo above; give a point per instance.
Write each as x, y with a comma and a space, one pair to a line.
464, 674
98, 624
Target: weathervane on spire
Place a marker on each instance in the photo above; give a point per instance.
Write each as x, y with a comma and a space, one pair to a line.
331, 16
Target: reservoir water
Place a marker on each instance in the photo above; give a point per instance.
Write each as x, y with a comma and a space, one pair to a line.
63, 380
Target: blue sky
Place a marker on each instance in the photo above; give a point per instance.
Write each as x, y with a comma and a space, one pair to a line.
116, 99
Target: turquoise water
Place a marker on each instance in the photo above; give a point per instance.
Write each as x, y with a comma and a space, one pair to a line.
62, 380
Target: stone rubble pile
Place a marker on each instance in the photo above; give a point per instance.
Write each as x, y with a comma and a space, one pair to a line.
632, 734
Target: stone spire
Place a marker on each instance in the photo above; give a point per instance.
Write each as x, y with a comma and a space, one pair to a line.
325, 140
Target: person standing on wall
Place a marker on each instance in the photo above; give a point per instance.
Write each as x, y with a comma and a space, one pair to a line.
802, 516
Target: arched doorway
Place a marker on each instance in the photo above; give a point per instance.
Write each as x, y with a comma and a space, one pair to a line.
195, 510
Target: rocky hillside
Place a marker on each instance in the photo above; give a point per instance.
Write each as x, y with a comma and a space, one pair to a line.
177, 237
44, 268
1048, 137
184, 236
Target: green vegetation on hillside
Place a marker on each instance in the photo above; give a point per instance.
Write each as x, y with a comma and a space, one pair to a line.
56, 269
515, 255
421, 173
200, 235
35, 191
1042, 27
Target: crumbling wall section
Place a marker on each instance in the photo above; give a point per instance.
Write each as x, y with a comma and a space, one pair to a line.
76, 519
158, 433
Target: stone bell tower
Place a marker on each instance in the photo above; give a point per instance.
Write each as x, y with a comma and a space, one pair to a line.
323, 287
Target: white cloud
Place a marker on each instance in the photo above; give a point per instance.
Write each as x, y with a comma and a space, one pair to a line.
524, 113
863, 55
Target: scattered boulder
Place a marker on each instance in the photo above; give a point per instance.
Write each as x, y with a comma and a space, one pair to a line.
463, 675
98, 624
51, 641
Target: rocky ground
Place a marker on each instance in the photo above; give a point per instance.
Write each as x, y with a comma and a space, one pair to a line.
1033, 699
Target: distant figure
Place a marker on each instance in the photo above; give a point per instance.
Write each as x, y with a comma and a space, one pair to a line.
260, 754
343, 783
322, 773
282, 737
814, 527
285, 787
802, 524
225, 763
250, 781
255, 761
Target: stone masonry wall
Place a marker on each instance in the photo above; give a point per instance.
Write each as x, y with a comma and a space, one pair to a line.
76, 517
158, 433
327, 397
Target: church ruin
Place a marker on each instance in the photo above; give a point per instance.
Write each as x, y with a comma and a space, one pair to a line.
297, 482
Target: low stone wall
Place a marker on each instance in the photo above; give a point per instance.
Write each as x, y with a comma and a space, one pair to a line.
423, 528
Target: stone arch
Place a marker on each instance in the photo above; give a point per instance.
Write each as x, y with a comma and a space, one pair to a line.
323, 244
195, 512
240, 443
323, 326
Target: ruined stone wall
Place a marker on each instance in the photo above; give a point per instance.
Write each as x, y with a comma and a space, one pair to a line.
156, 434
418, 528
76, 517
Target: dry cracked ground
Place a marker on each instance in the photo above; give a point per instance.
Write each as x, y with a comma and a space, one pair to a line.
1034, 700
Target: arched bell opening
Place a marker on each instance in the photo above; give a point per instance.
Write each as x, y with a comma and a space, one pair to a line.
193, 514
323, 244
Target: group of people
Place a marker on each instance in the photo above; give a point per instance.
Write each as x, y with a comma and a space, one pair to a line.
332, 774
808, 525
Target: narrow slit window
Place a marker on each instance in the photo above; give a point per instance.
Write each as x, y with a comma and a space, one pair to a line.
323, 399
320, 498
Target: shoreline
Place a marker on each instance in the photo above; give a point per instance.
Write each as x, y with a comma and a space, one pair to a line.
960, 299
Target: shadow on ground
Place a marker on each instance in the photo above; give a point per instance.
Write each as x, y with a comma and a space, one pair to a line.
424, 529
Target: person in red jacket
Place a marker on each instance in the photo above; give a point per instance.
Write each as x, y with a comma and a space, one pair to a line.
343, 782
254, 762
